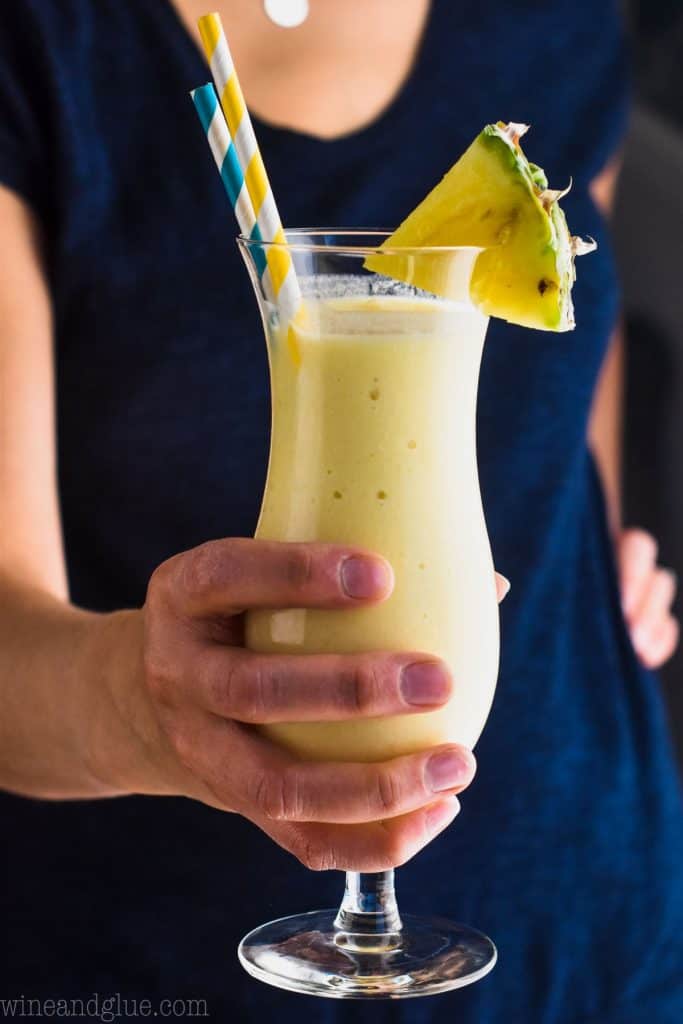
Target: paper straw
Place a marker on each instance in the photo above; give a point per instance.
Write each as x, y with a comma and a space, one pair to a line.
280, 270
224, 153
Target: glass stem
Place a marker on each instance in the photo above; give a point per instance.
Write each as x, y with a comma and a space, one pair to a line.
368, 917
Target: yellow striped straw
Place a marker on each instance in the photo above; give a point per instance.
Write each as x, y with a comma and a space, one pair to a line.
280, 275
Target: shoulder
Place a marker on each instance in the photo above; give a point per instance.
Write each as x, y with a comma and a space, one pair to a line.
51, 39
32, 26
39, 40
55, 56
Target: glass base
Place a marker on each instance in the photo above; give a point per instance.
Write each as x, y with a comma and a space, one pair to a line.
307, 953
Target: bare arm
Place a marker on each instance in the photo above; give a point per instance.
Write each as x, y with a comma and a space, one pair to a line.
30, 540
47, 716
605, 427
607, 411
36, 753
647, 589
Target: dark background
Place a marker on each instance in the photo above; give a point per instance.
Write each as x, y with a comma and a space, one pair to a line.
648, 233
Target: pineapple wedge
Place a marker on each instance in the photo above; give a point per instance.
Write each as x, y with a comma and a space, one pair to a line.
494, 198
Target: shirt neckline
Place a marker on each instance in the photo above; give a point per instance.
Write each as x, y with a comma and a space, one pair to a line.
383, 124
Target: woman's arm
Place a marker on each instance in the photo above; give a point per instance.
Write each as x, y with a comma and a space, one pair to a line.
605, 425
605, 428
48, 651
647, 589
37, 754
30, 538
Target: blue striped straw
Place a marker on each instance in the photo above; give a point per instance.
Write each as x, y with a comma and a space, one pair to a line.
224, 153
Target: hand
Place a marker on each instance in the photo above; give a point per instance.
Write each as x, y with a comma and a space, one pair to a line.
647, 593
206, 691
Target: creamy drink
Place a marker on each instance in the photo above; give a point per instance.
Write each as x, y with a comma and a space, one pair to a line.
373, 444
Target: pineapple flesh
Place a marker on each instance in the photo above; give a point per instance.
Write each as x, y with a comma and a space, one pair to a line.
495, 199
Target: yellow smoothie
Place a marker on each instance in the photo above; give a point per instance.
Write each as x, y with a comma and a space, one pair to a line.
373, 443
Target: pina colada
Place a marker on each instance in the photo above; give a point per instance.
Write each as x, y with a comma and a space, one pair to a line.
373, 444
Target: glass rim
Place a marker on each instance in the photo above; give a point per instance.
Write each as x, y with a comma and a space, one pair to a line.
346, 246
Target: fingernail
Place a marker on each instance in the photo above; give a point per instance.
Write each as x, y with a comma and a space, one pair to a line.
502, 586
425, 683
442, 814
364, 578
449, 769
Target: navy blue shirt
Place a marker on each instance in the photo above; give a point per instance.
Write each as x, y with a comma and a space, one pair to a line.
569, 848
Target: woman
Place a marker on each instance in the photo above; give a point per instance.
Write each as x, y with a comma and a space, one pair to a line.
117, 245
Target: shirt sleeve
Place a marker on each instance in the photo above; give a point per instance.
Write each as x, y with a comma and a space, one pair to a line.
24, 104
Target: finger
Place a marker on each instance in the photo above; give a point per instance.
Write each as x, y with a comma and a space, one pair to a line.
377, 846
637, 557
653, 609
255, 688
502, 586
225, 577
255, 777
662, 644
284, 789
